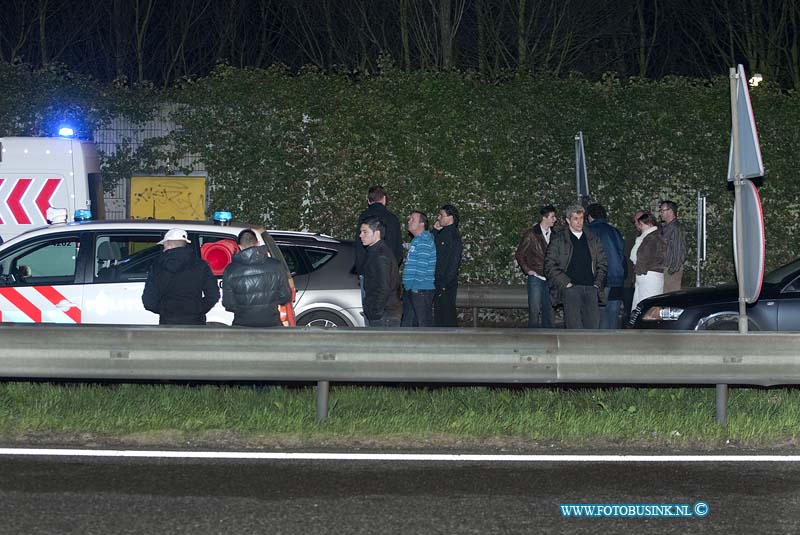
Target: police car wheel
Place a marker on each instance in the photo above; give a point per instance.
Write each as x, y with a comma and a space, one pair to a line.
322, 319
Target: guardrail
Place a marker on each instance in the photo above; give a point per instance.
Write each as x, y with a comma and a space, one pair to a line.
510, 356
476, 296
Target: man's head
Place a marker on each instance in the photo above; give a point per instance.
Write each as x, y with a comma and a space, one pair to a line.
417, 223
548, 216
575, 217
174, 238
668, 211
372, 230
596, 211
247, 238
448, 215
376, 194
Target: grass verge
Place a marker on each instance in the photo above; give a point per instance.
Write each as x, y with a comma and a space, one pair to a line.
407, 415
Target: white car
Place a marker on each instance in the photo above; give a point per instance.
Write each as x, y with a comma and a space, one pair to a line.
95, 271
328, 294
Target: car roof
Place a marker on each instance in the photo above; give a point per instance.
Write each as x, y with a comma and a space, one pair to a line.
310, 236
134, 224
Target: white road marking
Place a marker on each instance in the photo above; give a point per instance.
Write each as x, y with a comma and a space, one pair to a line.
430, 457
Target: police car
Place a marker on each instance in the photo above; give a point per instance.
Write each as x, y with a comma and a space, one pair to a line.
95, 271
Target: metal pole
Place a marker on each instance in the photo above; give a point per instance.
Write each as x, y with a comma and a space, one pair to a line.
722, 389
737, 190
699, 238
722, 404
577, 167
323, 389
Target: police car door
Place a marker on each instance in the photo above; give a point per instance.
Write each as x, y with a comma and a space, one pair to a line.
41, 279
120, 261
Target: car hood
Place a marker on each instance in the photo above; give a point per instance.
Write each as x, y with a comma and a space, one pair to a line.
695, 296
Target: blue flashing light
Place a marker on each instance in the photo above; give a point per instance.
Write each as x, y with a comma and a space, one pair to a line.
222, 218
66, 131
83, 214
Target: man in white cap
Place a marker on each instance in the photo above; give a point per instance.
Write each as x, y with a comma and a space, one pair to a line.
180, 287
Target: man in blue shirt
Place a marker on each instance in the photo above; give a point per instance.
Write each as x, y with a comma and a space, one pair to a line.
614, 247
418, 274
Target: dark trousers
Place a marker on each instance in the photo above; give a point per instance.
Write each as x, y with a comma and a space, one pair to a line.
539, 303
363, 293
386, 321
580, 307
444, 307
417, 308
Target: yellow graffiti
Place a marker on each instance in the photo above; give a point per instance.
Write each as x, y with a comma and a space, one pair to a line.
182, 198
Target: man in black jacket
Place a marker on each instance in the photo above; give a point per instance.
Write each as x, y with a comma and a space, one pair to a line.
382, 305
448, 261
180, 287
254, 284
393, 238
376, 198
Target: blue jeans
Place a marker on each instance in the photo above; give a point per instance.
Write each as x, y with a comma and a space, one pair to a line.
609, 314
539, 303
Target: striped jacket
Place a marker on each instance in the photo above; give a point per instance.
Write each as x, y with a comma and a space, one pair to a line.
420, 266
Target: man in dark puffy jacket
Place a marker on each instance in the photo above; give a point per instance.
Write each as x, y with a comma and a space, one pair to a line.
255, 284
382, 306
180, 287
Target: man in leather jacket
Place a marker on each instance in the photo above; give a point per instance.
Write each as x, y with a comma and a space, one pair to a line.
382, 306
530, 257
254, 284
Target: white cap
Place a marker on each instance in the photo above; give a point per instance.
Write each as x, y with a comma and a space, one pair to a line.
174, 234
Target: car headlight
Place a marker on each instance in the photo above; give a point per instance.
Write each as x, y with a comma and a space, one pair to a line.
662, 314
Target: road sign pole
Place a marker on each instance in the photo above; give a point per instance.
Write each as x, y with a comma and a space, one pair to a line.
737, 190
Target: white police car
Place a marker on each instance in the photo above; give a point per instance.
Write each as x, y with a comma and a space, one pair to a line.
94, 271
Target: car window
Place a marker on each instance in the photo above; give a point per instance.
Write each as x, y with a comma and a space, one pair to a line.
45, 262
780, 274
294, 263
124, 257
793, 286
318, 257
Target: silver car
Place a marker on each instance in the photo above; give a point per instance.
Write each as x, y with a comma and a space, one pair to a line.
327, 288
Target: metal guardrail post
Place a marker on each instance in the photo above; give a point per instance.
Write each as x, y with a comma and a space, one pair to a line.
722, 404
323, 391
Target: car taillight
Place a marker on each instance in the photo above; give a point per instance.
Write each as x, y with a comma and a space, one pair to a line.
287, 315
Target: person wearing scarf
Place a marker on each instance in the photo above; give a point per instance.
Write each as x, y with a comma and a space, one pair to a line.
647, 255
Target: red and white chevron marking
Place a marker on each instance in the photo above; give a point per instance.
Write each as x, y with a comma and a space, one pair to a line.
26, 200
36, 304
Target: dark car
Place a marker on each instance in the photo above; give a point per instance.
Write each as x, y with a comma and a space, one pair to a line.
327, 288
705, 309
